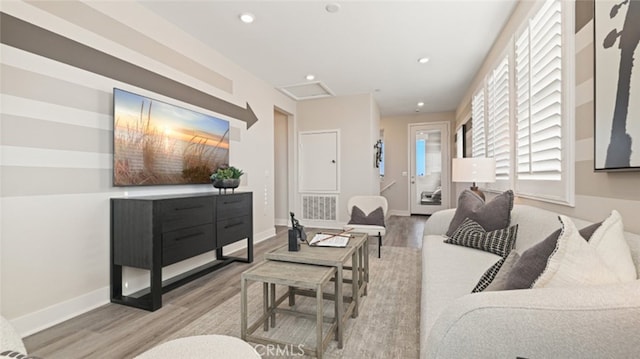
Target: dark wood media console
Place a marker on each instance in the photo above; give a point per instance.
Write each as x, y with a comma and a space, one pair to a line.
156, 231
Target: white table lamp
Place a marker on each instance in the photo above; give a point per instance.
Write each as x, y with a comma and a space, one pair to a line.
473, 169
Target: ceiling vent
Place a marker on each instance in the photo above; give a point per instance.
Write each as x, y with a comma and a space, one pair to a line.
307, 91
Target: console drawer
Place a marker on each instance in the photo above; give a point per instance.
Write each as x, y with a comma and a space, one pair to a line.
234, 205
186, 243
185, 212
232, 230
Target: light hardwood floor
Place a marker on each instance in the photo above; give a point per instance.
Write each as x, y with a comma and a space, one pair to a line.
116, 331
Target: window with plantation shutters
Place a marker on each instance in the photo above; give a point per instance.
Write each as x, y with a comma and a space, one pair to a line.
543, 107
490, 124
522, 115
478, 144
498, 132
539, 96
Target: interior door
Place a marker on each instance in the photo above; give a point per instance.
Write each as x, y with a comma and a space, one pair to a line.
429, 165
318, 161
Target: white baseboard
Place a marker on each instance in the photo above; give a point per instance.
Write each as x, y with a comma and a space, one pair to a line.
281, 222
397, 212
45, 318
34, 322
264, 235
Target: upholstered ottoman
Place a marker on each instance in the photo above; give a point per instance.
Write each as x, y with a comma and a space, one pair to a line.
202, 347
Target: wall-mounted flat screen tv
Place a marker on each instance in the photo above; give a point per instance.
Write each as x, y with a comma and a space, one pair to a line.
156, 143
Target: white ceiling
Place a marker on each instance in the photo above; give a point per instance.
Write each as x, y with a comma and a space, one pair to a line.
366, 47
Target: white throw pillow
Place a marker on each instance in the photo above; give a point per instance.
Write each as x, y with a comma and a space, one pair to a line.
612, 247
574, 262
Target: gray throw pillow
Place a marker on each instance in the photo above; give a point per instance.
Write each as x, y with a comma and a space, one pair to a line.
588, 231
375, 218
471, 234
534, 260
491, 216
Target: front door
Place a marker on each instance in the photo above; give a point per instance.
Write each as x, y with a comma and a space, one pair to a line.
429, 166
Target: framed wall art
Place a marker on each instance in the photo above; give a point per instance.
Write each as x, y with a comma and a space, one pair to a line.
617, 85
157, 143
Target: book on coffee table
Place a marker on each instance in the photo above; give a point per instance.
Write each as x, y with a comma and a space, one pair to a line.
329, 240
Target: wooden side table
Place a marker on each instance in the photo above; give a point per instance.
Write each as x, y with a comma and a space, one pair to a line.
357, 250
288, 274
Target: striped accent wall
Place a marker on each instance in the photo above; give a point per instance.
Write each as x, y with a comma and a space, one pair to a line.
597, 193
56, 148
126, 35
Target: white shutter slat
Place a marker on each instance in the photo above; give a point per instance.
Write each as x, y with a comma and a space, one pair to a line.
546, 77
545, 118
550, 32
549, 92
546, 70
548, 144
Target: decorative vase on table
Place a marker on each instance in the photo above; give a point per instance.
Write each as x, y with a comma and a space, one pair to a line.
226, 183
226, 177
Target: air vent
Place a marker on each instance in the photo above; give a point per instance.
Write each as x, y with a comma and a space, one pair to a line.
321, 207
307, 90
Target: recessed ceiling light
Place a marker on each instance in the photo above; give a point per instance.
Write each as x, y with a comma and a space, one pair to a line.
420, 104
310, 77
247, 18
423, 60
332, 7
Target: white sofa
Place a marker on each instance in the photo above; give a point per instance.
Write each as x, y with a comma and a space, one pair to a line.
585, 322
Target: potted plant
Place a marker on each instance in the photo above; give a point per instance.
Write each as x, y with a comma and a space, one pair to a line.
226, 177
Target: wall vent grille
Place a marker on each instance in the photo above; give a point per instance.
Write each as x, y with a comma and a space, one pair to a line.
319, 207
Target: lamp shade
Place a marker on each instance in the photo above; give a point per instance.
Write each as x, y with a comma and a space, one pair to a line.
473, 169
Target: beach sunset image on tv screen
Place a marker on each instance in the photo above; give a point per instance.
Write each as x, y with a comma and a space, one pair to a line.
155, 143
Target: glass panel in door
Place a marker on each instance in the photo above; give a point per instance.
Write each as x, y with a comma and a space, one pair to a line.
429, 189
